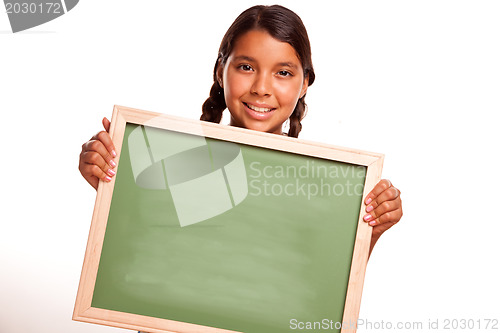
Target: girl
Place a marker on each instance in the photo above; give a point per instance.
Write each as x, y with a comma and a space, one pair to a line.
261, 76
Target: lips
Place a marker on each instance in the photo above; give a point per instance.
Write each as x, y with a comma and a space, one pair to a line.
258, 109
259, 112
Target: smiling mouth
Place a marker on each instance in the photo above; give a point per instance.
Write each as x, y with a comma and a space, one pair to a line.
257, 109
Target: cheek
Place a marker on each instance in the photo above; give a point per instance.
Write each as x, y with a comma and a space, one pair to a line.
288, 94
235, 86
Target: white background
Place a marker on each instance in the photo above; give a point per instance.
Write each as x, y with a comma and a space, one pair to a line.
416, 80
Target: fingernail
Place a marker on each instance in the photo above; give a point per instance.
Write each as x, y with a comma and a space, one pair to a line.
111, 172
369, 208
367, 217
367, 202
112, 163
372, 223
108, 178
113, 152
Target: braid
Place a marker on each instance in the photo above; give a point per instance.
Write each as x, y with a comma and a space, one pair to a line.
214, 105
297, 115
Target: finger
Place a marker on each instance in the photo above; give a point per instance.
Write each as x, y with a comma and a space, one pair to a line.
94, 158
386, 206
92, 170
391, 217
382, 185
82, 166
101, 143
92, 173
106, 123
94, 181
104, 137
390, 194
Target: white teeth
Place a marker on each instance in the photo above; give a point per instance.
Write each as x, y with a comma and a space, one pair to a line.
258, 109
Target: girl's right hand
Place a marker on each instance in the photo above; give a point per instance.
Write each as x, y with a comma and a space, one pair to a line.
96, 158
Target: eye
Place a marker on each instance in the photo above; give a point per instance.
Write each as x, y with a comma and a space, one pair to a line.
245, 67
284, 73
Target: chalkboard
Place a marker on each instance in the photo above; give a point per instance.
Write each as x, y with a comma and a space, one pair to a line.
211, 228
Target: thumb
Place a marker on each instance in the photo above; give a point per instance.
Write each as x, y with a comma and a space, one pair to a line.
106, 123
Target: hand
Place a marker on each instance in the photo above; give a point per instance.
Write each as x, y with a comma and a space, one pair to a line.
383, 208
96, 158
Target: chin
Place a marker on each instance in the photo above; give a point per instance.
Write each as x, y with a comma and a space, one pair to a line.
256, 125
263, 128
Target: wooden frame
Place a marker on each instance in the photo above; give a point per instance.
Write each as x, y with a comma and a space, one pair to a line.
84, 311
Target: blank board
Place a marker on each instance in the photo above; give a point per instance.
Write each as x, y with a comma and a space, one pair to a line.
211, 228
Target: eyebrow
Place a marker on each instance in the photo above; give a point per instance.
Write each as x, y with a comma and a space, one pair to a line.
250, 59
243, 57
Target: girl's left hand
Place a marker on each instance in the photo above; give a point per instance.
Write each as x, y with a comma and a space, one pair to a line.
383, 208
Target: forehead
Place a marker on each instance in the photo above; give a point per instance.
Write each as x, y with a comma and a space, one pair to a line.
263, 48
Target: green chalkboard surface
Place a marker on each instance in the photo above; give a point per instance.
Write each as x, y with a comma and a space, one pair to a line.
227, 235
218, 229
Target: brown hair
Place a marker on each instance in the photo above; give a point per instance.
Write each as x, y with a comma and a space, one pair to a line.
282, 24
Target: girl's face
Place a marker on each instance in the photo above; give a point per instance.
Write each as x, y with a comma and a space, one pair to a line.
263, 79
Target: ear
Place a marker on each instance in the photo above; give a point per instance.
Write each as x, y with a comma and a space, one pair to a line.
305, 85
219, 74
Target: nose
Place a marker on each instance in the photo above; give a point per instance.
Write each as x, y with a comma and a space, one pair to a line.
262, 84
